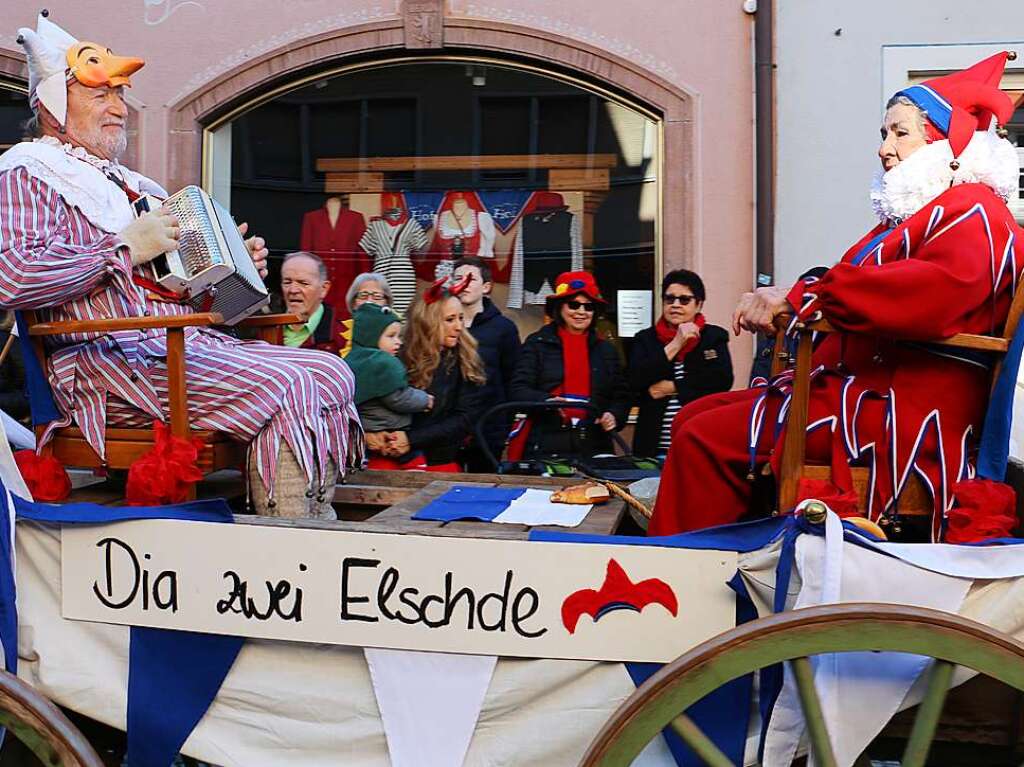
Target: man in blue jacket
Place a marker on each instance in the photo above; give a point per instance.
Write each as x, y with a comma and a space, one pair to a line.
498, 340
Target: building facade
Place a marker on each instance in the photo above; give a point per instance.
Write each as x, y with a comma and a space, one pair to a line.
837, 65
635, 121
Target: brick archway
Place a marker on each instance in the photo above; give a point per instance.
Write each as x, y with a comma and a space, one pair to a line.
390, 39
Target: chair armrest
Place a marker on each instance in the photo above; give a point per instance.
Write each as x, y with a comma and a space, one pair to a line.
961, 340
268, 320
126, 323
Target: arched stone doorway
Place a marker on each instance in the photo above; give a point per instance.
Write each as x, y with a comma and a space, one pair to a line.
384, 41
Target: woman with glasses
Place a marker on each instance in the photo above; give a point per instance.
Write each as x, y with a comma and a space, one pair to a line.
676, 361
368, 287
566, 359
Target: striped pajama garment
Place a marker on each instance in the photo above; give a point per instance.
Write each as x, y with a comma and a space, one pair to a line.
55, 261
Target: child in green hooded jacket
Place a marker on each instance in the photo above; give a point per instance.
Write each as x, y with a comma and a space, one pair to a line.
383, 397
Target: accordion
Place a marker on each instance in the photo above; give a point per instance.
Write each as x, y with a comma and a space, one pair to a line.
211, 269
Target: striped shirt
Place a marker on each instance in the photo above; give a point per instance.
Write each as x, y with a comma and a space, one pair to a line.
672, 407
392, 248
55, 261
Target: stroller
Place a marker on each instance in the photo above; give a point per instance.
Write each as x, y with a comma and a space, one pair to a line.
612, 468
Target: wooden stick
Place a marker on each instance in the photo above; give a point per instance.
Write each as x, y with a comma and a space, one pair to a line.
7, 348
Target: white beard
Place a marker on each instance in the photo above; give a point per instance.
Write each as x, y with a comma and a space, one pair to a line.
898, 194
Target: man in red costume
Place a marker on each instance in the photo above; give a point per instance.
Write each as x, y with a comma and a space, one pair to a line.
945, 259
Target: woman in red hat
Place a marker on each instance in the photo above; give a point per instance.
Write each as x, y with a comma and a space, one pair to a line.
945, 258
566, 359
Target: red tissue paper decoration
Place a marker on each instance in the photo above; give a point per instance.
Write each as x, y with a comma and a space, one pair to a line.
44, 475
984, 510
166, 473
842, 502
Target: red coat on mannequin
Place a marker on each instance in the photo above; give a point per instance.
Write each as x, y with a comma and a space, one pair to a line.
337, 245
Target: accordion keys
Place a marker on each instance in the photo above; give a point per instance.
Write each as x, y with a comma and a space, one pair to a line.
211, 269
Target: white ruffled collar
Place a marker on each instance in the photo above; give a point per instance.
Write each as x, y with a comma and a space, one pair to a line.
898, 194
81, 179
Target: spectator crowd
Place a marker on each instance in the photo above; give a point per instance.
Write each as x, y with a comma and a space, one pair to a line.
425, 381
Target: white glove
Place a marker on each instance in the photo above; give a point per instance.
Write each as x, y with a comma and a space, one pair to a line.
150, 235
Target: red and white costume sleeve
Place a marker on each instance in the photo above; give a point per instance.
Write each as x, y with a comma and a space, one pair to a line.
898, 407
60, 256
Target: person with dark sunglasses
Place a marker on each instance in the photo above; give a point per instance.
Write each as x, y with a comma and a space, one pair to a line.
567, 359
677, 360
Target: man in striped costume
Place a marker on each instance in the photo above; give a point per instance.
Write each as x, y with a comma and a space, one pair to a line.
69, 249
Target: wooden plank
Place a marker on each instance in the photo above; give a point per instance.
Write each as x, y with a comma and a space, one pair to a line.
354, 183
795, 439
177, 397
265, 320
369, 495
602, 520
961, 340
572, 180
465, 162
127, 323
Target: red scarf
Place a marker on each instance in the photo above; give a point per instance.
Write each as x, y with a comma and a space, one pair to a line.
666, 333
576, 362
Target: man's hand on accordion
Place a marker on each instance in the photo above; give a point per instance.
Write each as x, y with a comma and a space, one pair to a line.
257, 247
151, 235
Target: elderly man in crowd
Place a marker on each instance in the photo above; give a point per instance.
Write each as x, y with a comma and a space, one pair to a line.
304, 285
71, 249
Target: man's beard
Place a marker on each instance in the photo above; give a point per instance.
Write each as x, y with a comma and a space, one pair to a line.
112, 147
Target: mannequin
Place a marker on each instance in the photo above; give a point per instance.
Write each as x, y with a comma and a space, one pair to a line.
391, 239
332, 231
548, 243
463, 228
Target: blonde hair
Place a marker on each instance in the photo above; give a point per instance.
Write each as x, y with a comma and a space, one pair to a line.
423, 338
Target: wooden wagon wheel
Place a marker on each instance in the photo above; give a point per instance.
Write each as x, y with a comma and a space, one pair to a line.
40, 725
793, 637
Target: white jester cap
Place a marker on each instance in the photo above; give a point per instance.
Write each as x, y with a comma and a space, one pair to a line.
46, 48
54, 57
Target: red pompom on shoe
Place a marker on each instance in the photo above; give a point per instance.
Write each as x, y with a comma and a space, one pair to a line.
44, 475
984, 510
166, 473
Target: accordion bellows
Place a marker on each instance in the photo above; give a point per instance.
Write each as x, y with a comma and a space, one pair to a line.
211, 268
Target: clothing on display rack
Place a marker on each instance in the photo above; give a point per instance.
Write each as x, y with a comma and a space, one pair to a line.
391, 239
333, 232
549, 242
463, 228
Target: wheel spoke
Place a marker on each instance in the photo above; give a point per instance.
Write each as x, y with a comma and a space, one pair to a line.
702, 745
928, 712
811, 705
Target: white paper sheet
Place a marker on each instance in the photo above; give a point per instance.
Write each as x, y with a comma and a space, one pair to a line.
534, 507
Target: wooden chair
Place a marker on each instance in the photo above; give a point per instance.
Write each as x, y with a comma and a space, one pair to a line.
124, 446
915, 500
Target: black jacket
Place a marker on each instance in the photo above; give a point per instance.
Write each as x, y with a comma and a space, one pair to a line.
540, 371
498, 340
440, 432
707, 370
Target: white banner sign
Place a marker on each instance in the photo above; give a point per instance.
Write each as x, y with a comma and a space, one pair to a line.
463, 595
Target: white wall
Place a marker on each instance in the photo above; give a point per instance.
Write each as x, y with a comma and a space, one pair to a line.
838, 62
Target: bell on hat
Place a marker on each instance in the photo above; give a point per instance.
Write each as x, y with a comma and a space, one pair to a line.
963, 102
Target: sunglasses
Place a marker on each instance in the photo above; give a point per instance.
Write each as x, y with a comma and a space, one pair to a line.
681, 300
577, 305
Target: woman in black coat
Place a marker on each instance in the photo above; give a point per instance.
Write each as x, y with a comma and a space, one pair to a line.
567, 359
676, 361
441, 358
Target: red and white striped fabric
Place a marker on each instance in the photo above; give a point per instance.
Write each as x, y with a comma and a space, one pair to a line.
55, 261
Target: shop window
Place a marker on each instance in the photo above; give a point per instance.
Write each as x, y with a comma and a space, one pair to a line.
1016, 136
14, 111
588, 159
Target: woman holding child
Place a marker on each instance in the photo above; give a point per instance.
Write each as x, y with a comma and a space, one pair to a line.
434, 405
